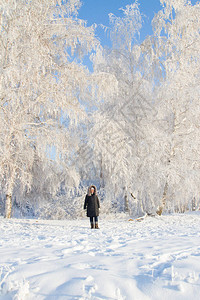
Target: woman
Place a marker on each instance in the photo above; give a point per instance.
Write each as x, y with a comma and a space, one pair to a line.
92, 204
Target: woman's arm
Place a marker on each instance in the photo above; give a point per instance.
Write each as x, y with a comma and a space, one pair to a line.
98, 202
86, 202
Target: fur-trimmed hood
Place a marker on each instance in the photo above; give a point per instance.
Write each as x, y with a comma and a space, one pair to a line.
89, 190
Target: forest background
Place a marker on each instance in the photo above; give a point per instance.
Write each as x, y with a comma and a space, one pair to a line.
74, 112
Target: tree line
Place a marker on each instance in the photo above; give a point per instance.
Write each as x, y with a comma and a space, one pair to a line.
130, 125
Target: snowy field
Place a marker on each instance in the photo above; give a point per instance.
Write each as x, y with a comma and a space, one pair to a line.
158, 258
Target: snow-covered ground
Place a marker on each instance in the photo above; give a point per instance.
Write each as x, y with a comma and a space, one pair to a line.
158, 258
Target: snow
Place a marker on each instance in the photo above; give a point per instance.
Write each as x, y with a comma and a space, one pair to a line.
157, 258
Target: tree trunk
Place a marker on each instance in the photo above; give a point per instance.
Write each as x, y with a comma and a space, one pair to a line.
126, 203
102, 184
194, 206
160, 209
8, 206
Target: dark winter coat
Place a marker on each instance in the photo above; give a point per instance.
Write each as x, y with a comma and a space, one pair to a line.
92, 203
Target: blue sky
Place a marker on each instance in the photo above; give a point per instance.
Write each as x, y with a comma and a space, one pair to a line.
96, 11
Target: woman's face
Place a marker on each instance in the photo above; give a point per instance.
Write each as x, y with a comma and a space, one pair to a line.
92, 190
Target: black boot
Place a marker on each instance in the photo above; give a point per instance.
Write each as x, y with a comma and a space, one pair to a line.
92, 225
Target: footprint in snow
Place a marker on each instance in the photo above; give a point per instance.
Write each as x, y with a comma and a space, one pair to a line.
48, 246
80, 266
72, 249
89, 288
41, 237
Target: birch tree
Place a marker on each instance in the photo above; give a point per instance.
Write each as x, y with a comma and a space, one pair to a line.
120, 131
177, 29
149, 131
41, 83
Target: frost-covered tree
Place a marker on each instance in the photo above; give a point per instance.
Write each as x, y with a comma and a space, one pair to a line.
177, 32
122, 119
146, 137
131, 126
42, 81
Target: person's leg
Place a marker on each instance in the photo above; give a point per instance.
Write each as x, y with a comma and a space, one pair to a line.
91, 222
96, 223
